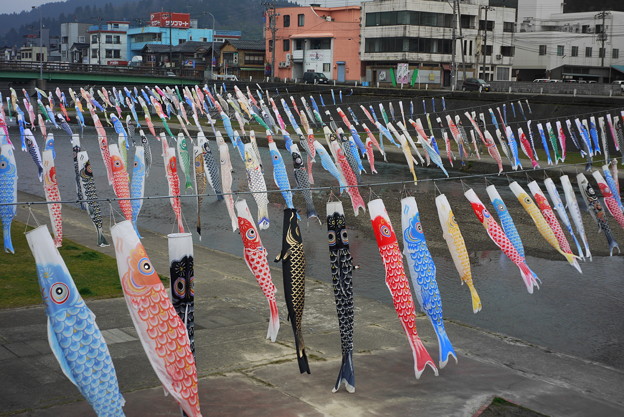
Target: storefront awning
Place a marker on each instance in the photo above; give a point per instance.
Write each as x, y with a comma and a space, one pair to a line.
313, 35
571, 74
619, 68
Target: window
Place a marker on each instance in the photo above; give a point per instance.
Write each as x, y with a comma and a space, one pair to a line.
115, 25
320, 43
560, 50
507, 51
487, 50
542, 49
116, 53
489, 26
109, 39
588, 52
254, 59
286, 46
108, 53
598, 29
601, 52
574, 51
94, 53
270, 45
615, 54
326, 67
509, 27
64, 39
94, 39
426, 45
502, 73
298, 44
81, 39
300, 19
286, 20
117, 39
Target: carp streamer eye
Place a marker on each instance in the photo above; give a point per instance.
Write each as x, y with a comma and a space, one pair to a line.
453, 221
276, 157
385, 230
179, 286
419, 227
59, 293
500, 207
344, 237
331, 237
136, 164
251, 234
192, 286
486, 213
117, 163
527, 200
3, 164
145, 267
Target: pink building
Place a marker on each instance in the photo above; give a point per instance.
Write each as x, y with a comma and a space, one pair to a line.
318, 39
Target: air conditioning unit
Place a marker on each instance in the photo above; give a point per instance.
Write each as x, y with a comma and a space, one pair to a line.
281, 64
288, 57
499, 57
328, 18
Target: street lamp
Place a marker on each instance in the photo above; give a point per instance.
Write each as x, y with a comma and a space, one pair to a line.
40, 43
212, 47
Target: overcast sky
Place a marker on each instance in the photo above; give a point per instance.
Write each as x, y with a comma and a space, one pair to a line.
16, 6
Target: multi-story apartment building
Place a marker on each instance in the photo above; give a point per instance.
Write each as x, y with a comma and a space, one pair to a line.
582, 46
109, 43
73, 35
314, 38
420, 33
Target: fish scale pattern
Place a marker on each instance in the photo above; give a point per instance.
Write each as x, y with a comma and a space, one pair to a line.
549, 216
508, 225
88, 357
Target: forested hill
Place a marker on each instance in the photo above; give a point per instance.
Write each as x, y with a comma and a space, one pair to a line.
243, 15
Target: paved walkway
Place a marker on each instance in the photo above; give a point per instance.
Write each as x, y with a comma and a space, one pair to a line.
243, 374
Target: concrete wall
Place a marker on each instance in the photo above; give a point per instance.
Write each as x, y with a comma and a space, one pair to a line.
557, 88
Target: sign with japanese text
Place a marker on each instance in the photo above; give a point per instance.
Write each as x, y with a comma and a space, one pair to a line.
173, 20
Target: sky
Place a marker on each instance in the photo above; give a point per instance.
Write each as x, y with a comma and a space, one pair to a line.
12, 6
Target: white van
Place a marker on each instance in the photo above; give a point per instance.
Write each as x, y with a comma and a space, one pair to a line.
620, 83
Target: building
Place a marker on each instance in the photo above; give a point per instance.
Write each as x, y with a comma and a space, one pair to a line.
582, 46
33, 54
109, 43
74, 33
167, 31
243, 58
226, 35
36, 45
318, 39
419, 33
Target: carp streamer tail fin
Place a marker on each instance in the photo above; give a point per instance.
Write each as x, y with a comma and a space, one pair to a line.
446, 348
346, 374
274, 323
529, 277
476, 300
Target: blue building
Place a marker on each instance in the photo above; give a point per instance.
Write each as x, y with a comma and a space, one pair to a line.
151, 35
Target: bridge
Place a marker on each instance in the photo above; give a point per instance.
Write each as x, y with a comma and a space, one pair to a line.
63, 72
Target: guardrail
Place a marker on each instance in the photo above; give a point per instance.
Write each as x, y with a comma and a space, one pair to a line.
99, 69
593, 89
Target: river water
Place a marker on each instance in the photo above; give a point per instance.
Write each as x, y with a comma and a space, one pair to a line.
571, 313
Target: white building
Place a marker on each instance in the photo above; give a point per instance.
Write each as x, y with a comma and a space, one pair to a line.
419, 32
569, 45
73, 33
109, 43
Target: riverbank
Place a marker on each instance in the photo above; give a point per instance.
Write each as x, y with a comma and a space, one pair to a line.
242, 373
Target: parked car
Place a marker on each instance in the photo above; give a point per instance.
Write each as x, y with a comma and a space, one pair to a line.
475, 84
314, 78
541, 80
226, 77
620, 83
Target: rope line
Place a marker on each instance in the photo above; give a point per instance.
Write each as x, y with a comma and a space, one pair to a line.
277, 190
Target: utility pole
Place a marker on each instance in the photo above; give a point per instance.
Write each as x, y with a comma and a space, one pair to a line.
40, 43
485, 29
271, 15
453, 48
461, 36
603, 35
